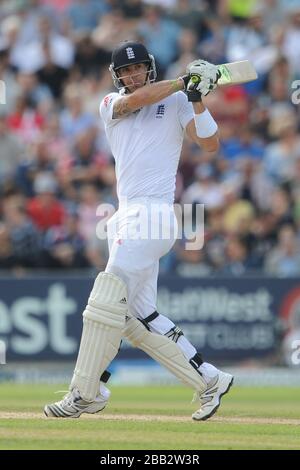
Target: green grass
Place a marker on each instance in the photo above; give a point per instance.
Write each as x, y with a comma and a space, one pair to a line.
249, 404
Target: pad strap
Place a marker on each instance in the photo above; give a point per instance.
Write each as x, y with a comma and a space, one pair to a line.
165, 351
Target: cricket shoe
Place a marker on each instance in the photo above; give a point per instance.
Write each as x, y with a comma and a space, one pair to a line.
72, 405
211, 398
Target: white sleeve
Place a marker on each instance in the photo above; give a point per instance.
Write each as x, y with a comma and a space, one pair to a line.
185, 109
106, 108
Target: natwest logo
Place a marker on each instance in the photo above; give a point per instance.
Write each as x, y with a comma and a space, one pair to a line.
32, 325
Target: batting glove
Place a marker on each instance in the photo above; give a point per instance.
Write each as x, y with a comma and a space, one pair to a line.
203, 76
193, 95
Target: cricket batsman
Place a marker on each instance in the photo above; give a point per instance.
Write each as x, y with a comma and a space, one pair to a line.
145, 123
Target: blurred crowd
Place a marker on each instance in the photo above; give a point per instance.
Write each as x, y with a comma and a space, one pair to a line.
55, 162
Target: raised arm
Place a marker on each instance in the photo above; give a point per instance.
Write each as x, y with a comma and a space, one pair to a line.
145, 96
203, 129
211, 143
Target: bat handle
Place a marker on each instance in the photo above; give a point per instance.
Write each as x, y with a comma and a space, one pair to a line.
195, 79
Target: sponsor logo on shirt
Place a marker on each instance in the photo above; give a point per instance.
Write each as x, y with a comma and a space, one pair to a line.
160, 111
107, 100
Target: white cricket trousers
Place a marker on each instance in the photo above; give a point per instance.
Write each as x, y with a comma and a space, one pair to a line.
139, 234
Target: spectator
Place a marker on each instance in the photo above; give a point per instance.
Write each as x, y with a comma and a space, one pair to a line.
237, 260
261, 238
243, 143
87, 164
230, 105
57, 145
160, 36
83, 15
255, 186
191, 263
249, 40
191, 17
215, 239
30, 13
96, 249
74, 120
284, 259
25, 121
187, 46
132, 9
37, 94
238, 212
44, 209
39, 159
10, 151
30, 57
8, 77
291, 42
7, 258
64, 247
206, 190
112, 29
89, 58
52, 75
25, 239
281, 207
280, 156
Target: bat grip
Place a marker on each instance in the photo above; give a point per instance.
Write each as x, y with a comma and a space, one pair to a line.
195, 79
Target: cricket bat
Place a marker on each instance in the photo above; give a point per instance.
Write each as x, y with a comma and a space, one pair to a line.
236, 72
232, 73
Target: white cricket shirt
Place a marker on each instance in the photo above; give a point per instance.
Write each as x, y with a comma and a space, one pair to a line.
146, 145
